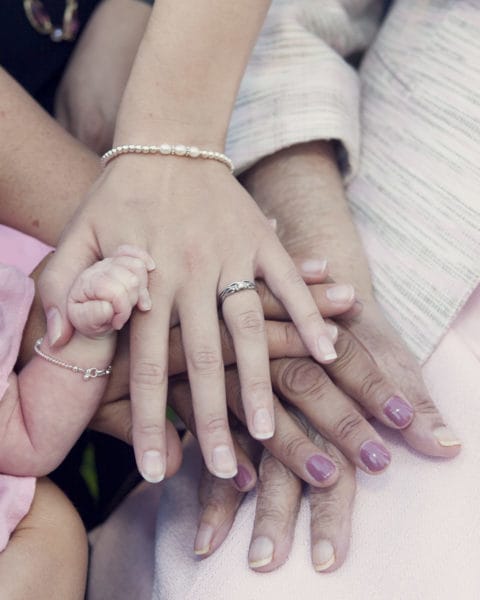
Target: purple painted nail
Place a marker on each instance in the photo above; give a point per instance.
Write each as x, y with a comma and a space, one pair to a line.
399, 411
374, 456
242, 478
320, 468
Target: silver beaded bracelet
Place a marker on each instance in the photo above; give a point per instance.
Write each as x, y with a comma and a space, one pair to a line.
89, 373
168, 150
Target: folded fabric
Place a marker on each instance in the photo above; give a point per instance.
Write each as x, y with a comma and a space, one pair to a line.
16, 295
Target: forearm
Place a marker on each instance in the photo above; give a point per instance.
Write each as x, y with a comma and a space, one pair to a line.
302, 188
187, 71
44, 172
47, 554
42, 419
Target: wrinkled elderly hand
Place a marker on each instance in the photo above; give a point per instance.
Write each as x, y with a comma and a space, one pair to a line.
316, 196
89, 94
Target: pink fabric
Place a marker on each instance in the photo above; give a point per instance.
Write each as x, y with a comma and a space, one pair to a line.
16, 496
16, 295
20, 250
415, 528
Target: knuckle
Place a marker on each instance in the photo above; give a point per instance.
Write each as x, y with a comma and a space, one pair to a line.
206, 361
149, 429
250, 322
303, 377
329, 508
149, 375
347, 426
215, 424
347, 350
258, 388
425, 406
291, 446
370, 384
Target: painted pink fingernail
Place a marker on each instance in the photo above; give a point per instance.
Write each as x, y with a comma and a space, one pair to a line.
54, 325
243, 478
320, 467
203, 539
340, 294
399, 411
374, 456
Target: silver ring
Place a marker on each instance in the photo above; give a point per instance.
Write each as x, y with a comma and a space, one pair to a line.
236, 286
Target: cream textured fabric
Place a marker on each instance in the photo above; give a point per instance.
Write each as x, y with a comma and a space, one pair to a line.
416, 191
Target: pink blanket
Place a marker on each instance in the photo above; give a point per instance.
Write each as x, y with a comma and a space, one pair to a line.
16, 295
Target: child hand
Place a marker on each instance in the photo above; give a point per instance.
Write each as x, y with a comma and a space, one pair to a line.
102, 297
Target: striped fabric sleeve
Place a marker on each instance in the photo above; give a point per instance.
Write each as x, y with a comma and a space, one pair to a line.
298, 86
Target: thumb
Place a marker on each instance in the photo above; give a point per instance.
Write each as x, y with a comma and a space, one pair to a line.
54, 284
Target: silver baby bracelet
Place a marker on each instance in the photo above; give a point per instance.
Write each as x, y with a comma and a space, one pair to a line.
89, 373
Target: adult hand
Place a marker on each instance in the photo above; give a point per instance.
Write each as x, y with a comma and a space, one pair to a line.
279, 494
191, 270
304, 181
92, 86
200, 226
316, 196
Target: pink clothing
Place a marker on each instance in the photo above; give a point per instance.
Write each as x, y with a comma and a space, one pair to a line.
16, 295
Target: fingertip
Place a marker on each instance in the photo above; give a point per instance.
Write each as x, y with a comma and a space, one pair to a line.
244, 480
313, 270
58, 330
152, 466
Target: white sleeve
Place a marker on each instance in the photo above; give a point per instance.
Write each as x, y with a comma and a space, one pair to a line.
298, 86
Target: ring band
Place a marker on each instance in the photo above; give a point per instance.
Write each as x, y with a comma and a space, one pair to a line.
236, 286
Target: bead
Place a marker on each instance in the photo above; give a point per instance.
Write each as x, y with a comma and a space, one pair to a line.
180, 150
167, 149
194, 152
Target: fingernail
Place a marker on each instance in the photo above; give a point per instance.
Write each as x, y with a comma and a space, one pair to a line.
262, 424
243, 478
153, 467
399, 411
261, 552
323, 555
273, 224
445, 437
332, 331
374, 456
203, 539
313, 266
150, 263
224, 463
320, 467
54, 325
326, 349
340, 294
145, 301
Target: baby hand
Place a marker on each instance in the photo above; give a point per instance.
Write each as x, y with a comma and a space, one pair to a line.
102, 297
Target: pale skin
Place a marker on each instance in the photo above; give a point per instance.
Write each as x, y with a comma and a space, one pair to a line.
60, 573
46, 407
45, 208
197, 252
